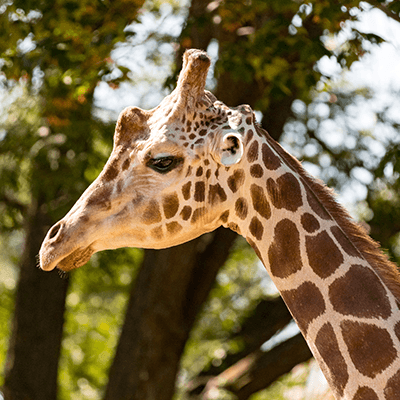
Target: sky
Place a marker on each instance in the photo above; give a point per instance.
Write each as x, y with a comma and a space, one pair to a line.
146, 89
378, 70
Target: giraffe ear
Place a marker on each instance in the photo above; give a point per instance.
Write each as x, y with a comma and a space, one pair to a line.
231, 150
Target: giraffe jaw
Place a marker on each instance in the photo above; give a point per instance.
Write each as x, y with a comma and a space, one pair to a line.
74, 259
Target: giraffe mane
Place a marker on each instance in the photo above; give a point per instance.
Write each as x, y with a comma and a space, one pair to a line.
368, 248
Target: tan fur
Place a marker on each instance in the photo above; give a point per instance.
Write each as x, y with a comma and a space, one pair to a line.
318, 256
367, 247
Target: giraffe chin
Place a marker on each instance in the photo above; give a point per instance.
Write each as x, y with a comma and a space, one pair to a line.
76, 259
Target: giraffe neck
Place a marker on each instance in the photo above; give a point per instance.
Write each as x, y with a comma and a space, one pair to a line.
339, 287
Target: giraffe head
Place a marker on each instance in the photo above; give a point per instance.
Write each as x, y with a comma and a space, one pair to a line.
166, 179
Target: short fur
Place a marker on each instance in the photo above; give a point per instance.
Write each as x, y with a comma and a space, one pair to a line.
368, 248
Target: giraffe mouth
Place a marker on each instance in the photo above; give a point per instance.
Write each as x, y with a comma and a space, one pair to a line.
76, 259
73, 260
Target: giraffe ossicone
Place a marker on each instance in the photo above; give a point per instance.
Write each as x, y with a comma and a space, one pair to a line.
193, 164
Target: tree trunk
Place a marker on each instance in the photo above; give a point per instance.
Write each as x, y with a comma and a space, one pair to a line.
33, 353
268, 318
173, 283
265, 368
171, 286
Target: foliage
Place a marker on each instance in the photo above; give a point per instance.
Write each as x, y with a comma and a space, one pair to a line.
275, 45
58, 52
6, 309
296, 385
66, 40
235, 294
95, 308
52, 57
278, 60
357, 156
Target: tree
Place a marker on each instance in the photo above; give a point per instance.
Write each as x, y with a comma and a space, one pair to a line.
269, 81
58, 52
267, 54
241, 58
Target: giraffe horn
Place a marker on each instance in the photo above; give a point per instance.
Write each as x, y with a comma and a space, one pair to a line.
192, 78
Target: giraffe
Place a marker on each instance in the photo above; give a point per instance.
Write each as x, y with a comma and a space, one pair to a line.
193, 164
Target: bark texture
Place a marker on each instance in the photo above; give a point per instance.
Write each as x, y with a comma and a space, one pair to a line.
34, 349
168, 293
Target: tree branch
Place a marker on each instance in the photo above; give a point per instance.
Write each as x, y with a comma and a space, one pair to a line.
258, 370
386, 10
12, 202
169, 291
269, 317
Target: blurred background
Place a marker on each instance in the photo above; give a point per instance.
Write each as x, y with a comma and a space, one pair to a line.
201, 320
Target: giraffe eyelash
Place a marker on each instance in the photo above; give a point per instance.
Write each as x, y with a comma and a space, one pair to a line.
164, 164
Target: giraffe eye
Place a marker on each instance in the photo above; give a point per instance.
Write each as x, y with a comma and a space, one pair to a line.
163, 164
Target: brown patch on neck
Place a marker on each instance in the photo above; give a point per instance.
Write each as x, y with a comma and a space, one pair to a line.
365, 393
362, 243
323, 255
360, 293
392, 388
284, 252
371, 348
328, 348
305, 303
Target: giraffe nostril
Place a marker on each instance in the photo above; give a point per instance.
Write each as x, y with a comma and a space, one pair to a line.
54, 231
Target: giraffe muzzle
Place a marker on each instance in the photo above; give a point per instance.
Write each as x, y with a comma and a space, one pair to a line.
55, 254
